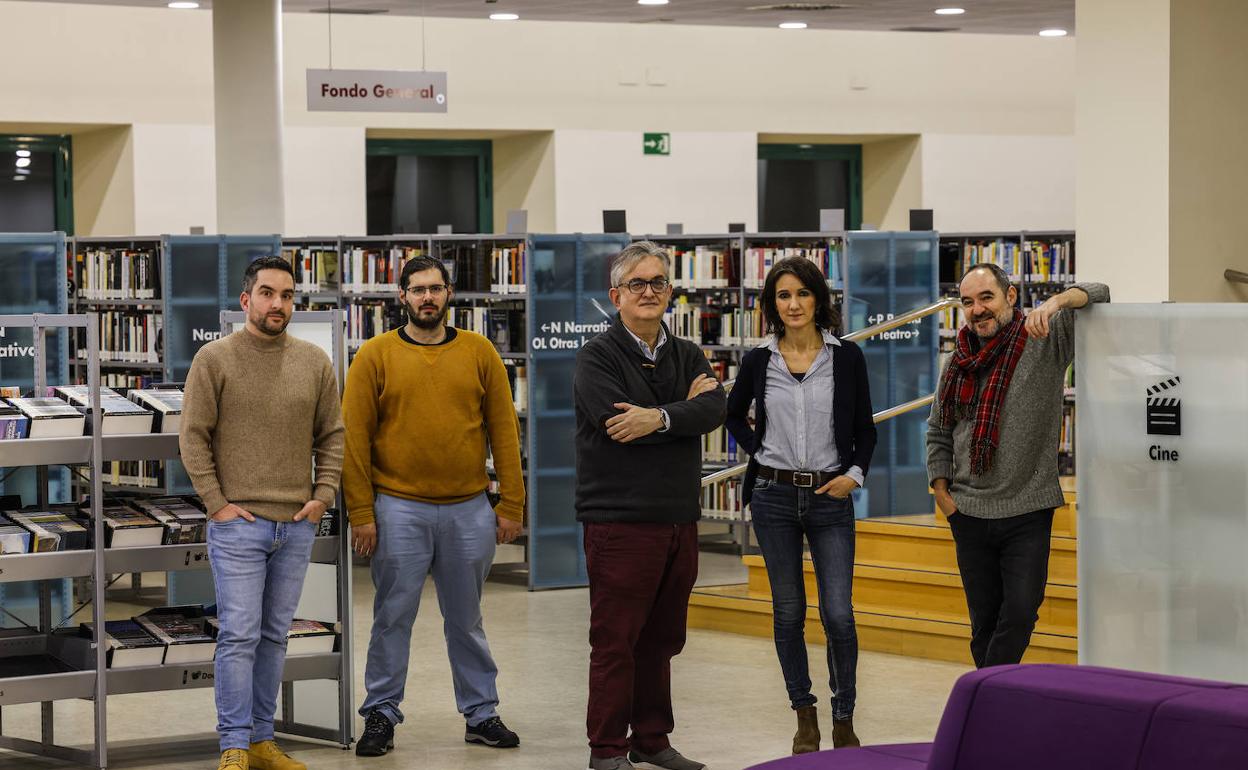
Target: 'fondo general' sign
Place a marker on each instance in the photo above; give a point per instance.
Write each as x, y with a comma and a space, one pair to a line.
376, 91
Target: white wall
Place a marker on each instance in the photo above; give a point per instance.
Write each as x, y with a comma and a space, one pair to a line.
709, 180
174, 179
987, 183
325, 189
120, 66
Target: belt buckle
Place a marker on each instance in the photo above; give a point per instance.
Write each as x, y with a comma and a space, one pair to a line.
803, 479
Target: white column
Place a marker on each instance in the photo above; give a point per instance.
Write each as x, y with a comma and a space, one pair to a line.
247, 69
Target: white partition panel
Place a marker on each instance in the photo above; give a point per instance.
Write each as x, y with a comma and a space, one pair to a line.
1162, 455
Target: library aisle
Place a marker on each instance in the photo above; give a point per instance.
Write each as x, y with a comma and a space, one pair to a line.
731, 709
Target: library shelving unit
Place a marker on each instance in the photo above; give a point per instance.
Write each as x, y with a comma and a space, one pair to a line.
91, 678
890, 273
32, 280
1041, 263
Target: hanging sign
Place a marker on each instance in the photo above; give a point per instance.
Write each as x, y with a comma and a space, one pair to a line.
376, 91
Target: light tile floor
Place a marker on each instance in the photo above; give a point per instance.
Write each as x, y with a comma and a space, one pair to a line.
730, 702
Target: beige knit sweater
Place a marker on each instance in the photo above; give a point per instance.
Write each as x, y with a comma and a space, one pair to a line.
256, 412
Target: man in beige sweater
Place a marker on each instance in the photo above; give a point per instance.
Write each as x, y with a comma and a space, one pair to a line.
260, 406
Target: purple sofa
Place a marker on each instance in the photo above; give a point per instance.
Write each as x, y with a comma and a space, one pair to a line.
1042, 717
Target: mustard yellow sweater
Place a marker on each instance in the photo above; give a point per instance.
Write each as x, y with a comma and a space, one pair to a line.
418, 418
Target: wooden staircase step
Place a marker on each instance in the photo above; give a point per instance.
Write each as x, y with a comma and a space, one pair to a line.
923, 541
732, 609
932, 594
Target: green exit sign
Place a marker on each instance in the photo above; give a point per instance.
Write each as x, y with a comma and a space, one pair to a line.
657, 144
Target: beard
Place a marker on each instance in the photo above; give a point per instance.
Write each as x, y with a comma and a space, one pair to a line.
1002, 321
426, 322
272, 325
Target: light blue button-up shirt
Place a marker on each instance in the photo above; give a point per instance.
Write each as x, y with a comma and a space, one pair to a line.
800, 434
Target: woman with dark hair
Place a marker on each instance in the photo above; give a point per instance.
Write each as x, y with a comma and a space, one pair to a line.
810, 447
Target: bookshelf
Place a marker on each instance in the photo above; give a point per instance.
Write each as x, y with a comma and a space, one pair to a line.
94, 680
1041, 263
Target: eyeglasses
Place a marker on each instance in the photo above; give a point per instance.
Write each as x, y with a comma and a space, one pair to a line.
638, 286
437, 290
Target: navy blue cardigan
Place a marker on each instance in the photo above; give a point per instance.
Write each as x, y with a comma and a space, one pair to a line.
851, 408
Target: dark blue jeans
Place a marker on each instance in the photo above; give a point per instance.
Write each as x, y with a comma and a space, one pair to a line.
782, 515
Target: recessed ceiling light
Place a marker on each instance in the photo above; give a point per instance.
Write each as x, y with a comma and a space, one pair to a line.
19, 179
22, 162
23, 153
21, 171
184, 6
792, 25
1052, 33
652, 2
950, 11
504, 16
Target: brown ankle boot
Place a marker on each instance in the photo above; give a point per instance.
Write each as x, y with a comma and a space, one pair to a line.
843, 734
807, 738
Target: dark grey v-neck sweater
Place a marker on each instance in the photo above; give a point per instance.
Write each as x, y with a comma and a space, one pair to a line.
1023, 477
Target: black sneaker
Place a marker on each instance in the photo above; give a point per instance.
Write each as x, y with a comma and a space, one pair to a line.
378, 737
492, 732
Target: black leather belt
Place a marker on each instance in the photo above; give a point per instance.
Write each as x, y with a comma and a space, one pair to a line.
803, 479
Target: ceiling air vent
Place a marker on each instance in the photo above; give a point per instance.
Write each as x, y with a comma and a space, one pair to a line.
927, 29
799, 7
351, 11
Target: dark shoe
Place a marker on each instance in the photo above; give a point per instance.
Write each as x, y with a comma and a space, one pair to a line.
667, 758
378, 737
807, 738
610, 763
843, 734
492, 732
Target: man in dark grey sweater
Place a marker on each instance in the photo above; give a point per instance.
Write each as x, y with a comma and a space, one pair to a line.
992, 452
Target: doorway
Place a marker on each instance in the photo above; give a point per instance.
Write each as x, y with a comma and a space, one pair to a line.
796, 181
416, 185
35, 185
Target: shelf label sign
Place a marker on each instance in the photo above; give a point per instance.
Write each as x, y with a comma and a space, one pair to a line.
376, 91
656, 144
13, 349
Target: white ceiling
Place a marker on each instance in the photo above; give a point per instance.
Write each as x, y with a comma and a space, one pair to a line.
1022, 17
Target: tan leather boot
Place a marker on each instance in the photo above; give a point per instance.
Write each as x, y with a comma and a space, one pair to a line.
807, 738
843, 734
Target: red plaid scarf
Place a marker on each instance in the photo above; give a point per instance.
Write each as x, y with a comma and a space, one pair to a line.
958, 399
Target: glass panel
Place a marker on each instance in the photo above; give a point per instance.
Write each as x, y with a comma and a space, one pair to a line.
1163, 476
792, 192
240, 252
569, 275
28, 192
416, 193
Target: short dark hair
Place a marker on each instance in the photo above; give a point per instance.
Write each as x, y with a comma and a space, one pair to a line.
804, 270
419, 265
271, 262
1003, 278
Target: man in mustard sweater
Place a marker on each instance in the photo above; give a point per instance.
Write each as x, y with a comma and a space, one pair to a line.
260, 407
420, 404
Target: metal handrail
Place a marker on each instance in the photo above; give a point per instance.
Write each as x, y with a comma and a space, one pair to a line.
1236, 276
895, 322
878, 417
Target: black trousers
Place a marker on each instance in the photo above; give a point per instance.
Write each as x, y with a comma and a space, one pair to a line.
1004, 565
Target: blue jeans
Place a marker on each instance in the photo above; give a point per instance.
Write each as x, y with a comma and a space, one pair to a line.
456, 542
257, 570
782, 515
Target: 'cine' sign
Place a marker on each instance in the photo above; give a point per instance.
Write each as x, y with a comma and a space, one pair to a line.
376, 91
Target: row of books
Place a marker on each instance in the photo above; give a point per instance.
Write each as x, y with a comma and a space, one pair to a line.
63, 412
1005, 254
376, 270
700, 267
503, 326
107, 274
1049, 262
723, 501
129, 336
517, 376
316, 268
188, 634
366, 320
698, 323
719, 446
760, 260
507, 271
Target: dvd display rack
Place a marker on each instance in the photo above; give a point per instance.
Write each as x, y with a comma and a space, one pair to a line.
97, 682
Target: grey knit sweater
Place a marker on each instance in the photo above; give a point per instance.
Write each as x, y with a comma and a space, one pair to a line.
1023, 477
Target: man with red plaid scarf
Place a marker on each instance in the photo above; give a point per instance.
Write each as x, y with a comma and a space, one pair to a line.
992, 452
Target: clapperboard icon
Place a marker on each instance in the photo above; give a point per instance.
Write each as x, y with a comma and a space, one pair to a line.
1163, 412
